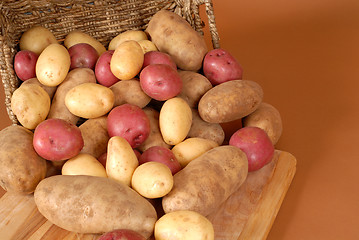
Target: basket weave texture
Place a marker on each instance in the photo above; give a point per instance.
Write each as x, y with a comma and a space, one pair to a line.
102, 19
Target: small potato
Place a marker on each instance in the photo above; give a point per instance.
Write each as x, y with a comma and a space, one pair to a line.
147, 46
121, 160
156, 57
53, 65
103, 72
135, 35
174, 35
50, 90
195, 85
76, 37
74, 78
152, 180
203, 129
184, 225
130, 91
89, 100
192, 148
83, 55
230, 101
95, 136
89, 204
268, 118
127, 60
24, 64
207, 181
21, 167
31, 104
175, 120
83, 164
155, 137
36, 39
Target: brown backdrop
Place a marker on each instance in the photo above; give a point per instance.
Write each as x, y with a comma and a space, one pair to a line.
305, 55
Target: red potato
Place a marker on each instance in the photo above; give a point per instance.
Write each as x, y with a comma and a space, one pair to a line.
161, 155
220, 66
160, 81
83, 55
122, 234
103, 72
130, 122
156, 57
56, 139
255, 143
25, 64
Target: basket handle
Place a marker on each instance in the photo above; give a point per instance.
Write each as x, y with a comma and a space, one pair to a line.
187, 8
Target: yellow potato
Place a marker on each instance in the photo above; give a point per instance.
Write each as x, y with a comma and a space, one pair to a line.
53, 65
36, 39
127, 60
183, 225
135, 35
50, 90
152, 180
175, 120
76, 37
121, 160
192, 148
83, 164
89, 100
31, 104
147, 46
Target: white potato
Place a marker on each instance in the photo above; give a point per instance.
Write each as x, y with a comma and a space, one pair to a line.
31, 104
53, 65
121, 160
135, 35
192, 148
83, 164
175, 120
89, 100
36, 39
147, 46
76, 37
184, 225
152, 180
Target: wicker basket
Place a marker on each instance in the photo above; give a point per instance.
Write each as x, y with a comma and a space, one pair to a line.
102, 19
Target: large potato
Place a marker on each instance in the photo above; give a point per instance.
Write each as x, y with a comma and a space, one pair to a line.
74, 78
184, 225
127, 60
130, 91
36, 39
207, 181
175, 120
175, 36
21, 168
31, 104
230, 101
95, 136
195, 85
135, 35
89, 100
155, 137
89, 204
76, 37
203, 129
268, 118
53, 65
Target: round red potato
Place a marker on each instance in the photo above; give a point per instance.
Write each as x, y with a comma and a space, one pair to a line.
130, 122
122, 234
220, 66
57, 139
255, 143
83, 55
160, 81
25, 64
156, 57
162, 155
103, 72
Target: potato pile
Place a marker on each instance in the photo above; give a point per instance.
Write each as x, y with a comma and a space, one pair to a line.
105, 134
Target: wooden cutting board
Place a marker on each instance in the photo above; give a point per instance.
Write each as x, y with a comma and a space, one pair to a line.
248, 214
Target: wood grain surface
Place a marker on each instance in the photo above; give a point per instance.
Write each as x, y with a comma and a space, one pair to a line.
247, 214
